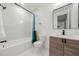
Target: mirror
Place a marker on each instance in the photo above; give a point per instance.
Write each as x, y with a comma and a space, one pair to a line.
66, 17
62, 21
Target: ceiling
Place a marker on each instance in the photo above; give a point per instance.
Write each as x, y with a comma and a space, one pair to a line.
33, 6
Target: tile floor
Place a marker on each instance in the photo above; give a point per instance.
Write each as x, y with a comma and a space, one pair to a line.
35, 52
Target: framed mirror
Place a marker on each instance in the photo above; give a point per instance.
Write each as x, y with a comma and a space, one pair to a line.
62, 18
66, 17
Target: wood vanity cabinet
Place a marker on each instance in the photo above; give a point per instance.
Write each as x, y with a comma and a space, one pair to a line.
63, 47
71, 48
56, 47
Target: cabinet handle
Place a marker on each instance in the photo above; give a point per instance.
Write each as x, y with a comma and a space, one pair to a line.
64, 40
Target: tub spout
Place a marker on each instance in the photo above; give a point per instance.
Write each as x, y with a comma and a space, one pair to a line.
3, 41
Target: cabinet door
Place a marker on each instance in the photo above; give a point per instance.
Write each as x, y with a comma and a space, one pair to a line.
71, 48
56, 47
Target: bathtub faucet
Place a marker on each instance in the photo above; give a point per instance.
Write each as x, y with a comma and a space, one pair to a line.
3, 41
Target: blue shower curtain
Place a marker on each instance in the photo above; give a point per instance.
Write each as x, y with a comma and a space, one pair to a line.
33, 31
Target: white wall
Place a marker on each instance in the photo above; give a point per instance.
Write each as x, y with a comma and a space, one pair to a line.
17, 22
2, 31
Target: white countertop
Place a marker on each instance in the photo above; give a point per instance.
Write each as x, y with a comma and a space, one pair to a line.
72, 37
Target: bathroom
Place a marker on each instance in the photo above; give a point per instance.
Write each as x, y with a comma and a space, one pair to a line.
18, 20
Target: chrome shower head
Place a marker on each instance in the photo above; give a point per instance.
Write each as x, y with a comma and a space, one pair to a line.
2, 6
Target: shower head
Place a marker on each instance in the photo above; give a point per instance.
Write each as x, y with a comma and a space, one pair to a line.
2, 6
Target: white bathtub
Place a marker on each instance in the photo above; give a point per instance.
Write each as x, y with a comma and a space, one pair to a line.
15, 47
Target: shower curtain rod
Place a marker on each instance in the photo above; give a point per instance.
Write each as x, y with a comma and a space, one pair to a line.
25, 9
